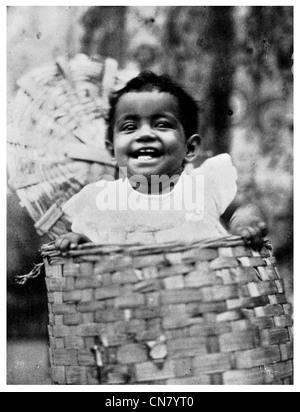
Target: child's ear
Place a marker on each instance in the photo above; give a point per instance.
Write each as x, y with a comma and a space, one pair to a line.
110, 147
193, 148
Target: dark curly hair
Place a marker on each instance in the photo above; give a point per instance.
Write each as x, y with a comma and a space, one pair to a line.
148, 81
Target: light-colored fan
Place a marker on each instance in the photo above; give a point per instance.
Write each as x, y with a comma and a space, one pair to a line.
56, 136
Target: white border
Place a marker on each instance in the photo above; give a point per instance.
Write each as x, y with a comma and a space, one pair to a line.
131, 388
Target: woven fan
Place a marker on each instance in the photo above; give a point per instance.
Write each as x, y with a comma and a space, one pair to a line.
56, 136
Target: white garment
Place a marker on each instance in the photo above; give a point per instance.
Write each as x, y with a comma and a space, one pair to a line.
113, 212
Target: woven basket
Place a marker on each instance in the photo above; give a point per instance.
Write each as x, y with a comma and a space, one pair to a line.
205, 313
56, 136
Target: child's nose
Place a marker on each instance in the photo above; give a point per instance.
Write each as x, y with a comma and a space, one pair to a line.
146, 132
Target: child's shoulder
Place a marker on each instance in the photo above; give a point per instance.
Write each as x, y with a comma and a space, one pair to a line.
219, 166
222, 161
101, 183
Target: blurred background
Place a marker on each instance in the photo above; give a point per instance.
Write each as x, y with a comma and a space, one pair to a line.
237, 62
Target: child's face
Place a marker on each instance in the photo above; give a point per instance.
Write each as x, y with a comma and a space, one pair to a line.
148, 136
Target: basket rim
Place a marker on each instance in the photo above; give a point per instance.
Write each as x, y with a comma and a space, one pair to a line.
49, 249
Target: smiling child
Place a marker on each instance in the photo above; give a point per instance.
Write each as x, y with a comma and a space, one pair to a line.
159, 197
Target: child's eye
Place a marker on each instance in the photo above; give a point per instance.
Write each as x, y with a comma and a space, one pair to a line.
163, 124
128, 127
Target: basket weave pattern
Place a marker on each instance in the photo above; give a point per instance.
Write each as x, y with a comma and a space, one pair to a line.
206, 313
56, 136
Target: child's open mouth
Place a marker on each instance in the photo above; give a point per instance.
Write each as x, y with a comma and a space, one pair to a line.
147, 154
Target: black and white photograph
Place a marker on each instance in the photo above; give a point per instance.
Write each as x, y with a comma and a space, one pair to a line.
149, 199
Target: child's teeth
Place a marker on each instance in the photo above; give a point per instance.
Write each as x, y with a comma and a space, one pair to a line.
145, 157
